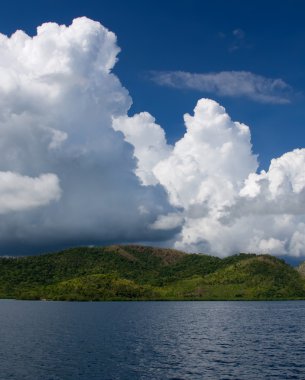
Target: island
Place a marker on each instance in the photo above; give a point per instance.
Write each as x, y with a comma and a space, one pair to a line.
134, 272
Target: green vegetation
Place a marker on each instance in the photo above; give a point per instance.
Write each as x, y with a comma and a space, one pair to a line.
147, 273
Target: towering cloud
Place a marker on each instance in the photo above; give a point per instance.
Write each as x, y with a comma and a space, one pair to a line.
209, 164
66, 177
76, 169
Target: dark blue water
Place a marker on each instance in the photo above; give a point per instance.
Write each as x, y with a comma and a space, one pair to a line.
152, 340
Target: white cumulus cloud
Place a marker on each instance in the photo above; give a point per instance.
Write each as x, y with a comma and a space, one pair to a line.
210, 162
148, 140
21, 192
223, 204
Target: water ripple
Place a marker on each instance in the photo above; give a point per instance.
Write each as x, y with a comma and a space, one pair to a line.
152, 340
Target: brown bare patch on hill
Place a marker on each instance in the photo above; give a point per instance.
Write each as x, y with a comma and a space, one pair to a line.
266, 259
121, 251
167, 255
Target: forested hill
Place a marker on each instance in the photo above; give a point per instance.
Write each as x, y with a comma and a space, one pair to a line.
146, 273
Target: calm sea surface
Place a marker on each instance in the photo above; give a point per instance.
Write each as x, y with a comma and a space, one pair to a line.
152, 340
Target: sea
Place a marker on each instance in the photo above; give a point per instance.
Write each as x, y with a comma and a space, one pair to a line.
152, 340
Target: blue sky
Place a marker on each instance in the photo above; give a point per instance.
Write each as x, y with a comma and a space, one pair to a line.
196, 37
94, 151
